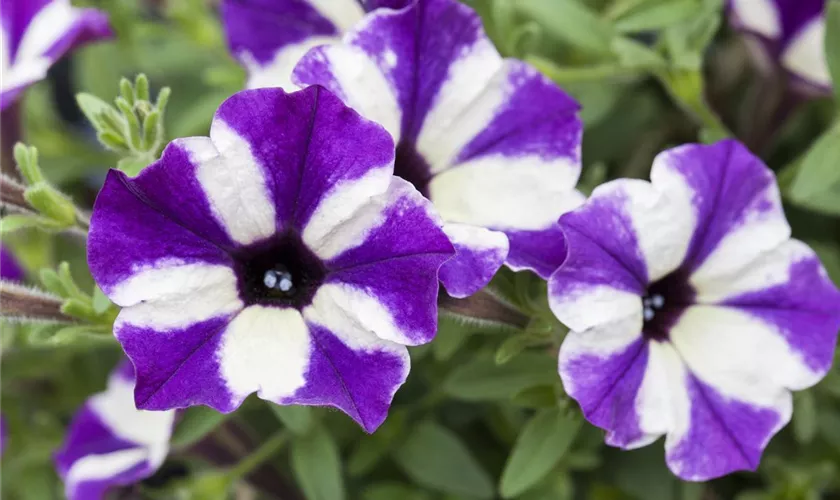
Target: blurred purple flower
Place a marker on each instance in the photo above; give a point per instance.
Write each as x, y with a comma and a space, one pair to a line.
791, 33
693, 313
35, 34
111, 443
269, 36
9, 267
280, 255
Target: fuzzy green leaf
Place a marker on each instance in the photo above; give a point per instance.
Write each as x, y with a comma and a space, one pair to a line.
317, 467
435, 457
541, 444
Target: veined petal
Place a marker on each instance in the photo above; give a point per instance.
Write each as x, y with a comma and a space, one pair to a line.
737, 205
722, 435
604, 275
111, 443
310, 147
36, 33
353, 370
130, 230
178, 367
479, 253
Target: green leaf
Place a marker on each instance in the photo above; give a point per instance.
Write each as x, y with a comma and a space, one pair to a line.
393, 491
450, 336
93, 108
101, 303
511, 347
817, 184
297, 418
196, 423
540, 446
541, 396
572, 22
317, 467
482, 379
434, 457
832, 42
133, 165
804, 417
15, 222
47, 200
658, 16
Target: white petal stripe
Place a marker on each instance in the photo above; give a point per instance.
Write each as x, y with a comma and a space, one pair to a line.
740, 356
234, 183
171, 294
523, 193
265, 349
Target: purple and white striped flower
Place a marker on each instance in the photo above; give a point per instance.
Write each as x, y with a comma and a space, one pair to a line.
269, 37
111, 443
791, 32
35, 34
692, 312
280, 255
490, 141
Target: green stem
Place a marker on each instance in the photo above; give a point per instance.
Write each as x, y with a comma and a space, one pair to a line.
260, 455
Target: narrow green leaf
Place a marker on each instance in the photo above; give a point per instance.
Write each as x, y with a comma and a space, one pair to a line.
49, 278
510, 348
572, 22
482, 379
804, 416
78, 309
113, 141
141, 87
132, 165
93, 108
150, 131
394, 491
51, 203
196, 423
126, 91
832, 42
450, 337
132, 124
14, 222
540, 446
297, 419
434, 457
317, 467
163, 99
817, 183
70, 284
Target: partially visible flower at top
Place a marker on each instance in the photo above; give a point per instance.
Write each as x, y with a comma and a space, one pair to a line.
791, 33
491, 142
111, 443
35, 34
279, 255
9, 266
268, 37
692, 312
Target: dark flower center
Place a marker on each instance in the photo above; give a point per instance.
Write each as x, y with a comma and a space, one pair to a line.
409, 165
280, 271
663, 304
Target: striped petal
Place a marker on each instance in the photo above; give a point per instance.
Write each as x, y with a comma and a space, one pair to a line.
36, 34
111, 443
491, 142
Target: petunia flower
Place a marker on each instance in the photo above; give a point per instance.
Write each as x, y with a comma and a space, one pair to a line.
35, 34
111, 443
791, 33
280, 255
693, 313
268, 37
491, 142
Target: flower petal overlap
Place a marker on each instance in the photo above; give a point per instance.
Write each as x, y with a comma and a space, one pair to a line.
278, 256
791, 32
111, 443
36, 33
693, 313
491, 142
268, 37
